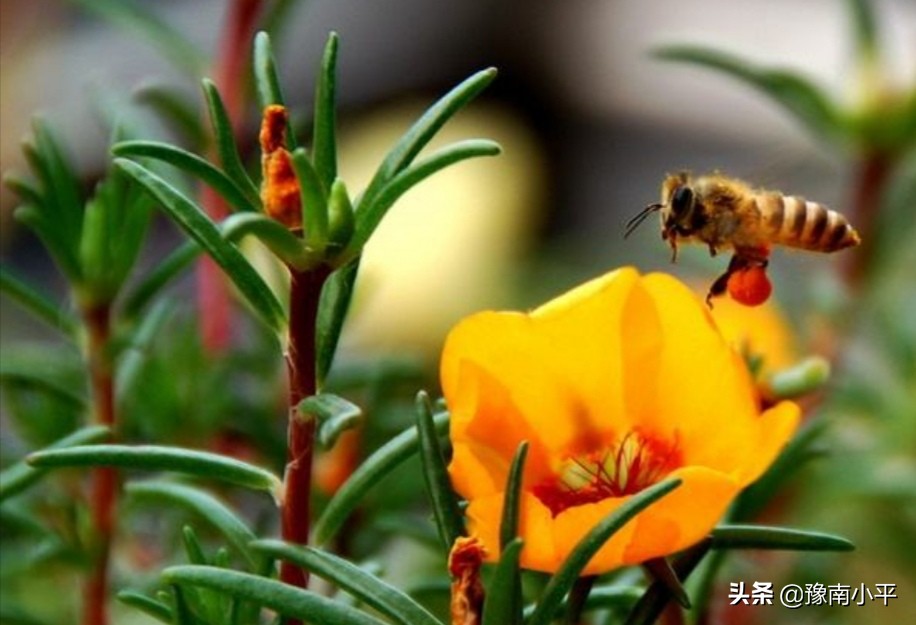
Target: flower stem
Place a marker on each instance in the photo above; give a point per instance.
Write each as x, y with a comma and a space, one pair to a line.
103, 495
871, 178
230, 67
305, 293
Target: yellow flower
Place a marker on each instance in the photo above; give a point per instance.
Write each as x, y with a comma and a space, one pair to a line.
759, 333
616, 385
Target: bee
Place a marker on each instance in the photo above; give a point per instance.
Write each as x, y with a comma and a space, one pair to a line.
725, 213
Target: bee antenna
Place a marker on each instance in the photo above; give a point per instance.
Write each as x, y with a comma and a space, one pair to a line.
640, 217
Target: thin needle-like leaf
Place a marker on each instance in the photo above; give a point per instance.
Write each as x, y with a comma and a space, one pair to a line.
149, 606
314, 200
332, 310
784, 538
504, 595
19, 476
199, 227
364, 586
423, 130
372, 208
37, 303
508, 524
158, 458
267, 83
367, 475
435, 472
563, 580
226, 147
277, 596
799, 96
193, 165
324, 135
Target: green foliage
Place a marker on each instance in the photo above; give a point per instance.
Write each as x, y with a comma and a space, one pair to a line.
435, 472
159, 458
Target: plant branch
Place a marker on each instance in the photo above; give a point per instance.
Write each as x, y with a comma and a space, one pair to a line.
305, 294
104, 480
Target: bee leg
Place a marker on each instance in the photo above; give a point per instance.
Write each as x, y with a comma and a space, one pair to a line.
712, 250
720, 285
673, 243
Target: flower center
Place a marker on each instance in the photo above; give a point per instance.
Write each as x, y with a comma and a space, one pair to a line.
634, 463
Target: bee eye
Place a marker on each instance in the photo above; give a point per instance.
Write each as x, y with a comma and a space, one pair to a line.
682, 200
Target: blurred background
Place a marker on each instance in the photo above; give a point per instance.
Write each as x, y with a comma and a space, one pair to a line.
590, 123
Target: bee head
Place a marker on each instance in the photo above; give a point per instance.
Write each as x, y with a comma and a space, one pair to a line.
678, 211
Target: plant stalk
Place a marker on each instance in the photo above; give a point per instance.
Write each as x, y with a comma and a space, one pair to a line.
871, 179
305, 293
213, 290
103, 496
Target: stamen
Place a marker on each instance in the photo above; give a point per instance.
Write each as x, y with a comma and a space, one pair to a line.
627, 467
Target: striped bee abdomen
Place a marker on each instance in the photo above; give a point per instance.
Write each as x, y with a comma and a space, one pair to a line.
794, 222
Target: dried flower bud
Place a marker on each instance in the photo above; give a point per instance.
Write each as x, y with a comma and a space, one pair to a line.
464, 562
280, 188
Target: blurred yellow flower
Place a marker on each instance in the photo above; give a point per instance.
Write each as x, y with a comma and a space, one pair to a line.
617, 384
758, 333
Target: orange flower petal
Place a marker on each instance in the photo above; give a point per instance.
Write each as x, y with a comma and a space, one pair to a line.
774, 429
684, 516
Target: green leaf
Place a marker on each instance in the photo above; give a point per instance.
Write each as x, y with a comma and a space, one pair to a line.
385, 459
508, 524
203, 504
332, 310
806, 102
279, 597
37, 303
424, 129
340, 218
800, 379
324, 139
61, 249
314, 200
193, 165
362, 585
503, 605
435, 473
134, 18
799, 450
373, 208
658, 595
199, 227
274, 235
226, 147
660, 570
563, 580
334, 415
865, 27
763, 537
131, 360
267, 84
164, 272
60, 182
147, 605
19, 476
158, 458
177, 110
15, 615
192, 546
599, 598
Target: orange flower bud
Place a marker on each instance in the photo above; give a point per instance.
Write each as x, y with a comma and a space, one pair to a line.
750, 286
280, 188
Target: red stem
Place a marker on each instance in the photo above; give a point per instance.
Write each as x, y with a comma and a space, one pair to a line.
230, 69
104, 480
305, 292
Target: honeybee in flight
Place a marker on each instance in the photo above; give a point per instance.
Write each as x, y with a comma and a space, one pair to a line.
725, 213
